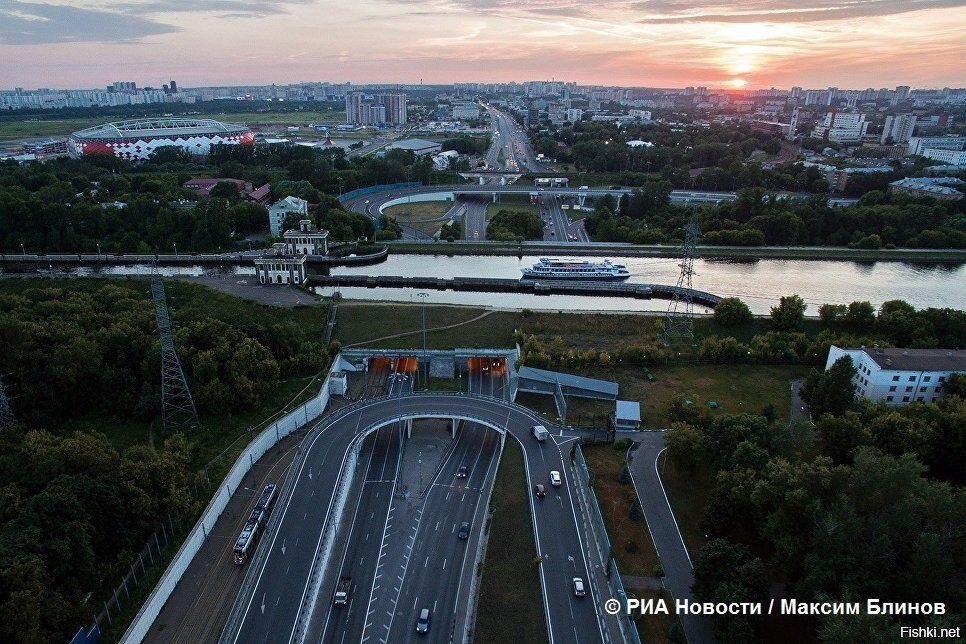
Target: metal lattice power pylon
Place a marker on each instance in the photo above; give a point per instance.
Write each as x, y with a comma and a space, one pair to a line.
177, 406
679, 322
6, 413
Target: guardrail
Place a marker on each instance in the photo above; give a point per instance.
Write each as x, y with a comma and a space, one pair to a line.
600, 532
271, 435
372, 189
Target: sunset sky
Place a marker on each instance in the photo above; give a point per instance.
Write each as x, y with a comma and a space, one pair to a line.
661, 43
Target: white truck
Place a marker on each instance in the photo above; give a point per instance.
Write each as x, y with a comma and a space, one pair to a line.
540, 432
342, 591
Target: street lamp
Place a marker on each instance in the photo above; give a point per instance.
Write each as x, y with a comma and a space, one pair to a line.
423, 296
23, 250
176, 251
99, 250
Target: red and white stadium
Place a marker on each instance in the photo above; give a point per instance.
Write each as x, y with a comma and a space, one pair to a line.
135, 140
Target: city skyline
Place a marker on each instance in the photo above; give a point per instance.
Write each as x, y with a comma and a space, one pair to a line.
659, 43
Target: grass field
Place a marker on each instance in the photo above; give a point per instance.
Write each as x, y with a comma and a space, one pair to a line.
605, 463
737, 389
358, 322
419, 215
654, 629
509, 608
688, 495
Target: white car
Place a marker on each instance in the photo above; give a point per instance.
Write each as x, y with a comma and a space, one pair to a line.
555, 478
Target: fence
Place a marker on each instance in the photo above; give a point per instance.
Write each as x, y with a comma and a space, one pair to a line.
600, 532
199, 534
371, 189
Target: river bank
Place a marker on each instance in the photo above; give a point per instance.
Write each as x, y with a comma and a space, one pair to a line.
916, 255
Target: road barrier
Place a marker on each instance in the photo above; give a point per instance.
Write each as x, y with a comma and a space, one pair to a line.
199, 534
373, 189
628, 627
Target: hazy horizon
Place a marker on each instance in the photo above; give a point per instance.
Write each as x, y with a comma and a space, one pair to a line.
83, 44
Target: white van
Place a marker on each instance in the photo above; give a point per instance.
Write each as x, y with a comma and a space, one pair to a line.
540, 432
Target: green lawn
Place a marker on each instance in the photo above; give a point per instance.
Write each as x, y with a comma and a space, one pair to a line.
510, 607
358, 322
605, 463
653, 629
737, 389
418, 210
425, 216
688, 495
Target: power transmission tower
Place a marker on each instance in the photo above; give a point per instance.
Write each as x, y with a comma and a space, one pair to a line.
679, 321
177, 406
6, 413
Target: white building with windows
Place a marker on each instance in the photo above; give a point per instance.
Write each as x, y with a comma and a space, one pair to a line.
841, 127
900, 376
282, 208
306, 240
278, 266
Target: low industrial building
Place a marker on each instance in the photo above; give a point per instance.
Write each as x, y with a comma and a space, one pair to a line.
626, 416
938, 187
898, 377
417, 146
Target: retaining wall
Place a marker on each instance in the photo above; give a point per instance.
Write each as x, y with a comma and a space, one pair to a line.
271, 435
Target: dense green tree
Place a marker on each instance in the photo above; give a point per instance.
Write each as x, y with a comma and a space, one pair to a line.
831, 391
789, 314
732, 312
684, 445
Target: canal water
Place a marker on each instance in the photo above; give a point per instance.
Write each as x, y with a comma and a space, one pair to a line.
758, 283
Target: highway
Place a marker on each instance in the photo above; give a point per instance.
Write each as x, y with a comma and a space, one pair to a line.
378, 468
441, 565
271, 602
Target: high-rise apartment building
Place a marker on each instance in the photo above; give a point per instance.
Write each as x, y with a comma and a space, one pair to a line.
353, 108
395, 104
898, 128
386, 108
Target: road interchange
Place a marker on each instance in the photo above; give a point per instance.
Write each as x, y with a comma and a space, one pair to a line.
278, 597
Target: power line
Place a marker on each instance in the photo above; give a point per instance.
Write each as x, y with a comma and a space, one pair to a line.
177, 405
679, 321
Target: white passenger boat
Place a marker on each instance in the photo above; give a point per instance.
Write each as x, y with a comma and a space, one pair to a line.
575, 269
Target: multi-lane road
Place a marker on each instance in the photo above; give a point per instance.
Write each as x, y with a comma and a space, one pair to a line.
279, 592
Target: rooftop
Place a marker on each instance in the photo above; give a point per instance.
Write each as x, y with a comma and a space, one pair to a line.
917, 359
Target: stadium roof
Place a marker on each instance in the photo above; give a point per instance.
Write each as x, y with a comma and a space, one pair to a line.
158, 127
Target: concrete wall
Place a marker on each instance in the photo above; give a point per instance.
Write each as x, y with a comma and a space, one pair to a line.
430, 196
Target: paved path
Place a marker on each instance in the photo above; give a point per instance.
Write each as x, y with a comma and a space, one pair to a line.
678, 572
247, 287
797, 405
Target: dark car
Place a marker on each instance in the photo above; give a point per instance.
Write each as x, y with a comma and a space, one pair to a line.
422, 622
464, 532
461, 472
539, 490
579, 590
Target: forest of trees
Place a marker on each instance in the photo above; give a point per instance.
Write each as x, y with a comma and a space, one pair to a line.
65, 205
758, 217
787, 338
74, 509
514, 225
